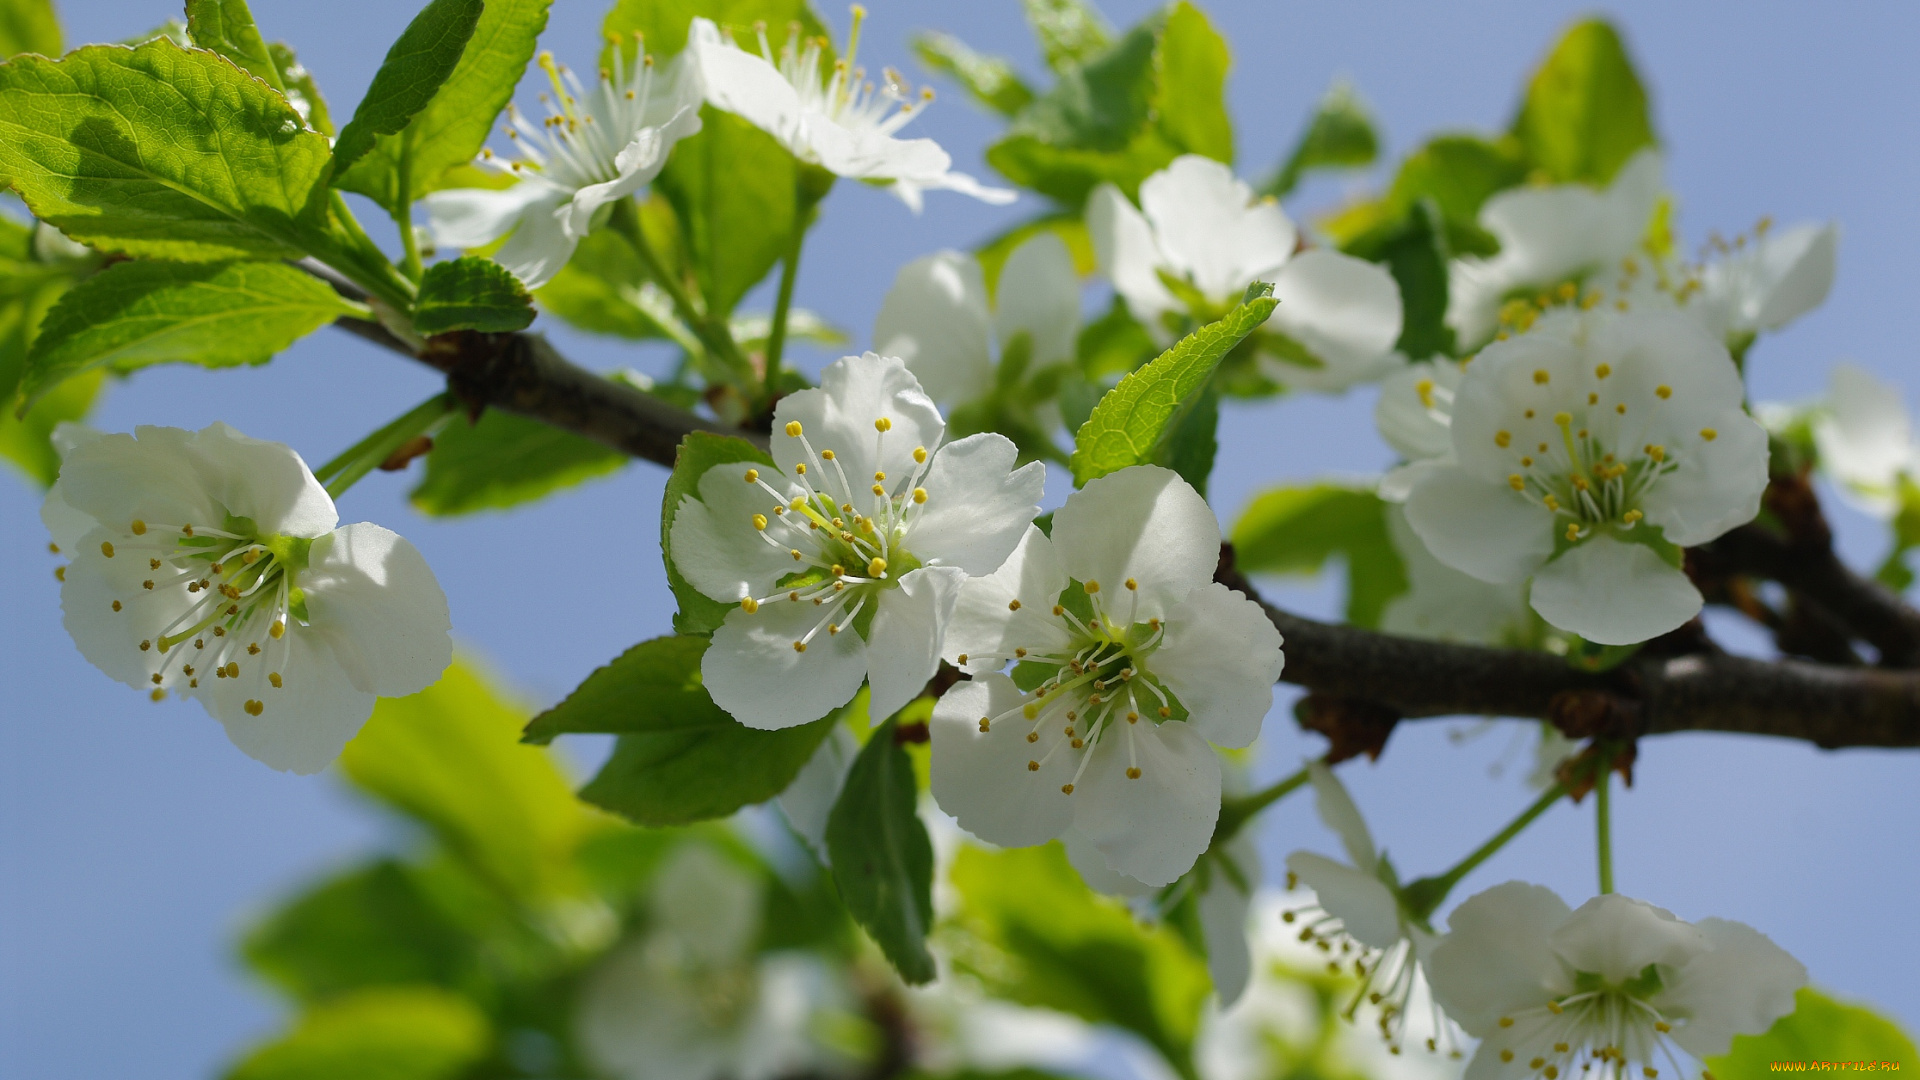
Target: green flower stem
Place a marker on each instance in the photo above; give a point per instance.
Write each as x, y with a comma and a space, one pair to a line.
803, 211
346, 247
1602, 786
1235, 813
403, 213
716, 336
362, 457
1425, 896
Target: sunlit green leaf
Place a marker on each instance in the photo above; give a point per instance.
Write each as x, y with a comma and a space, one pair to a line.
227, 27
412, 1033
505, 461
471, 293
991, 80
1070, 31
1340, 135
416, 67
882, 858
1415, 250
1192, 101
372, 926
302, 91
733, 189
1295, 530
1585, 112
1823, 1030
663, 23
29, 26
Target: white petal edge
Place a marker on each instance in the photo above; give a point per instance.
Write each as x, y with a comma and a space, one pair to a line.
1614, 593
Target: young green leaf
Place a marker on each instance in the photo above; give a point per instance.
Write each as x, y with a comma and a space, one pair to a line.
1192, 101
1459, 173
412, 1033
161, 151
882, 858
1415, 250
136, 314
990, 79
1585, 112
1133, 423
416, 67
27, 441
680, 758
505, 461
1340, 135
662, 24
471, 293
602, 290
733, 188
1070, 31
1819, 1029
699, 452
227, 27
1295, 530
29, 26
303, 93
450, 130
1194, 441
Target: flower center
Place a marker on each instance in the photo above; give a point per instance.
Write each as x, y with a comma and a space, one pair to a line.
847, 557
1084, 695
229, 592
580, 140
1599, 1030
842, 94
1388, 977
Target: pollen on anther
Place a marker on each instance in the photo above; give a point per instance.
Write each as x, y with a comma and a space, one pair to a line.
274, 678
153, 564
1066, 789
826, 455
139, 527
1663, 392
985, 722
156, 678
158, 695
1133, 773
1033, 736
1092, 587
760, 522
278, 628
1165, 712
795, 552
919, 495
1013, 605
1033, 766
876, 566
106, 548
879, 489
1502, 439
1541, 376
145, 645
1517, 482
753, 475
793, 429
116, 605
799, 646
254, 708
801, 468
883, 424
1709, 434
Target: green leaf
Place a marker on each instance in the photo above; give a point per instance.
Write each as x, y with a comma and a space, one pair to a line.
680, 757
698, 452
413, 1033
733, 189
1133, 422
663, 23
28, 441
882, 858
1458, 173
372, 926
136, 314
29, 289
451, 758
1585, 112
1340, 135
1819, 1029
1043, 938
505, 461
1195, 441
1295, 530
471, 293
450, 130
1192, 100
990, 79
1415, 251
1069, 31
415, 69
602, 289
29, 26
161, 151
227, 27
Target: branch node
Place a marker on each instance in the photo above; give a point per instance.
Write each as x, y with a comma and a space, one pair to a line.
1352, 727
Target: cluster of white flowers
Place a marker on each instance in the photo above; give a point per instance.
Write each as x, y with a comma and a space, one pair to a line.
598, 146
209, 564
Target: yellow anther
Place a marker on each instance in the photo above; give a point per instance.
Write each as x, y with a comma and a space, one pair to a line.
1033, 766
1536, 1063
1506, 1021
250, 556
1077, 743
116, 605
187, 530
1621, 408
1552, 1072
1506, 1055
158, 695
1540, 376
1132, 585
1066, 789
1709, 434
145, 645
879, 490
795, 552
1593, 399
878, 475
1631, 516
59, 573
1663, 392
800, 469
1551, 502
139, 527
278, 628
1580, 483
919, 495
1573, 531
156, 678
1567, 291
883, 424
839, 571
985, 722
254, 708
274, 678
753, 476
833, 629
1503, 439
793, 429
106, 548
1517, 482
1031, 710
1559, 1048
1563, 418
826, 455
1603, 371
760, 521
1033, 736
749, 605
1662, 1026
1133, 773
876, 567
153, 564
1092, 587
920, 455
1554, 1008
1013, 605
799, 646
1526, 462
1425, 389
1165, 712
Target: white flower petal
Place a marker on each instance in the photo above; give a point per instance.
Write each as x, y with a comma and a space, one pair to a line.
1497, 957
1614, 593
978, 505
1617, 937
909, 186
1220, 657
903, 648
1484, 529
1411, 425
110, 639
708, 904
854, 392
1038, 294
1716, 484
475, 217
1124, 246
1345, 311
1866, 438
118, 479
1144, 523
1211, 228
986, 621
541, 245
1445, 604
375, 602
261, 480
983, 778
1773, 280
747, 86
1150, 828
1223, 908
808, 801
1358, 899
1091, 864
1337, 812
303, 723
715, 545
1740, 987
753, 671
935, 319
1397, 483
65, 523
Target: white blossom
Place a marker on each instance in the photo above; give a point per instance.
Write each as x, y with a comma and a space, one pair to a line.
1575, 442
936, 316
689, 1000
1448, 605
209, 564
593, 149
1865, 439
1764, 283
847, 561
830, 116
1130, 660
1357, 918
1614, 988
1203, 228
1550, 235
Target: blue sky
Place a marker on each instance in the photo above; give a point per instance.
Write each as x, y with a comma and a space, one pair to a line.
134, 841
